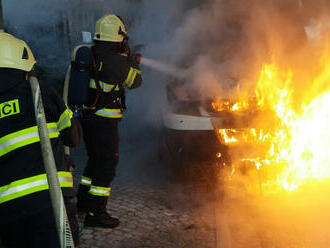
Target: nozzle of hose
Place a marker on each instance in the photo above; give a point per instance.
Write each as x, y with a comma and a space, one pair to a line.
137, 57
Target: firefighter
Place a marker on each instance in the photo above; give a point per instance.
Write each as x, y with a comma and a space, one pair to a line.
116, 70
26, 214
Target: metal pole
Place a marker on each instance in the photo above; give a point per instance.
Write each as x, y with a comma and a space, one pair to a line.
2, 26
61, 219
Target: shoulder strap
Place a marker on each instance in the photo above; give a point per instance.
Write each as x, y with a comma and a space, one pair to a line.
97, 83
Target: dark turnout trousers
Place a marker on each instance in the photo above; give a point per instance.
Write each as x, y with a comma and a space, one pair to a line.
102, 141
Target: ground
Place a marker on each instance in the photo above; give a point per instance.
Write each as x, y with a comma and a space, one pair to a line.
155, 209
147, 220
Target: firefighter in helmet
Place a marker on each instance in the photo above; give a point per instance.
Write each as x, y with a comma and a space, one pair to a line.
26, 215
117, 69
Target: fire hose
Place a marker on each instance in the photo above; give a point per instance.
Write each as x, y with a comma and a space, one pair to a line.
65, 99
61, 219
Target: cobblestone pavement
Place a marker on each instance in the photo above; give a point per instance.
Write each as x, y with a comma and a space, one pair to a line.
147, 220
153, 212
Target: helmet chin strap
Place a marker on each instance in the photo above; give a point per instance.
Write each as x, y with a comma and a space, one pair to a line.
124, 44
125, 47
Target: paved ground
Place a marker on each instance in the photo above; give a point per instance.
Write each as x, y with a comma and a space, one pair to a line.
147, 220
154, 211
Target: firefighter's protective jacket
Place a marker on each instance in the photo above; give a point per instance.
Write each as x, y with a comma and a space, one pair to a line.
115, 72
23, 183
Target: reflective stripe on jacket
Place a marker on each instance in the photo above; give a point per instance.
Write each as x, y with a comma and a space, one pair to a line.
30, 135
64, 120
31, 185
108, 88
109, 113
133, 72
104, 86
25, 137
113, 68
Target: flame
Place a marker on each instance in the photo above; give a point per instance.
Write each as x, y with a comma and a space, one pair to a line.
236, 106
239, 136
297, 147
300, 144
230, 105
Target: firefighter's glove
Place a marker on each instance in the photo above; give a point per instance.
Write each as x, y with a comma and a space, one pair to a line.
137, 57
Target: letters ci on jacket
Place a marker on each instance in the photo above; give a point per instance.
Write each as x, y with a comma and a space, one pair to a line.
23, 184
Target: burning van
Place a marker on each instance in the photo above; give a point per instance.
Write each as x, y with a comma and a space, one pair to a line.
188, 129
206, 130
278, 137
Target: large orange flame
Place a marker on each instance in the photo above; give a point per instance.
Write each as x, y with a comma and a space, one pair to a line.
298, 146
302, 141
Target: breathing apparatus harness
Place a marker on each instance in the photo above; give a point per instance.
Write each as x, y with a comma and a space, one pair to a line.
98, 101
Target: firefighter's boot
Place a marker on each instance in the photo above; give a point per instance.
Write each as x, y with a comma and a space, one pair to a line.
103, 220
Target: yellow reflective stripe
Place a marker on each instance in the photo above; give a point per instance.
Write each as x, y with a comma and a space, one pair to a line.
64, 120
31, 185
24, 137
109, 113
129, 76
65, 179
99, 191
86, 181
136, 71
104, 86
